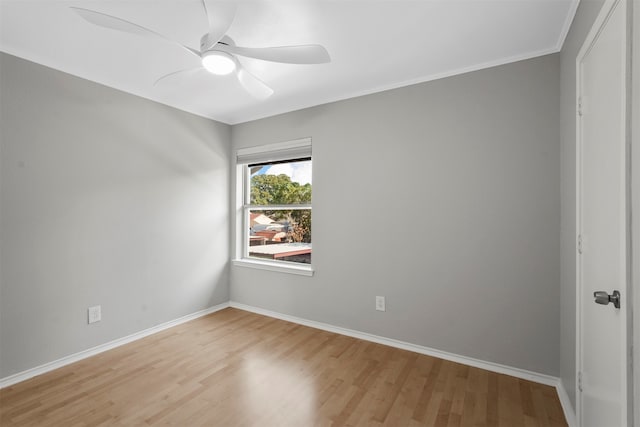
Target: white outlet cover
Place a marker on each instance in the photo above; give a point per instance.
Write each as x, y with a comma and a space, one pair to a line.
94, 314
380, 303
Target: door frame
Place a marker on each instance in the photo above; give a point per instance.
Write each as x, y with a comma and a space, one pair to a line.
628, 298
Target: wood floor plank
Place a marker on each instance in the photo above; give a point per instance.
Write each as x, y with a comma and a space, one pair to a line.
235, 368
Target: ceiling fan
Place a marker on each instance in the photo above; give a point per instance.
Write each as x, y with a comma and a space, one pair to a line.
218, 53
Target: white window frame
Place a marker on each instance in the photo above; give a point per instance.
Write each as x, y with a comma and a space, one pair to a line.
289, 150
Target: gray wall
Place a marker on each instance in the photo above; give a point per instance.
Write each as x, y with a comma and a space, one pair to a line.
106, 198
585, 16
445, 198
635, 200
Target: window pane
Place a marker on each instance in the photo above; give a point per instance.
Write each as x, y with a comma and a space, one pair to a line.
283, 235
281, 183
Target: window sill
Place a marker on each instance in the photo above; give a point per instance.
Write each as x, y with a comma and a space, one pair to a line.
290, 268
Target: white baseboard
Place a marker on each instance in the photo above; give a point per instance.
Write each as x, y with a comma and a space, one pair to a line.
489, 366
567, 407
30, 373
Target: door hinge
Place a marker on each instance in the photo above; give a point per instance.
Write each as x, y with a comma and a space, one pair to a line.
579, 243
580, 106
580, 381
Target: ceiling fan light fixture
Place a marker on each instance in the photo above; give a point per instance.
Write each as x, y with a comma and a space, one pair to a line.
220, 63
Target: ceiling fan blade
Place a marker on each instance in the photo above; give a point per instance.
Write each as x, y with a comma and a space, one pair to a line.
256, 87
220, 19
303, 54
188, 71
111, 22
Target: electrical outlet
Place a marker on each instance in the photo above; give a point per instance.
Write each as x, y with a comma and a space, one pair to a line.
95, 314
380, 304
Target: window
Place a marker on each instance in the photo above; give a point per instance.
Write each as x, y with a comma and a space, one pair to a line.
276, 206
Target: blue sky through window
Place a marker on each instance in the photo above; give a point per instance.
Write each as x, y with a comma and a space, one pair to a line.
298, 171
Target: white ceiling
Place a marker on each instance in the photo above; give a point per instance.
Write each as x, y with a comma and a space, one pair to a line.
374, 45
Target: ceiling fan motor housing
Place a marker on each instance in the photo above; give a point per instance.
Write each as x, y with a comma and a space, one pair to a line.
207, 43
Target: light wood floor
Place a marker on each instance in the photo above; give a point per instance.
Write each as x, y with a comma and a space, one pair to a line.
234, 368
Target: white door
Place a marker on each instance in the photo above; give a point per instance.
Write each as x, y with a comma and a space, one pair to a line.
602, 221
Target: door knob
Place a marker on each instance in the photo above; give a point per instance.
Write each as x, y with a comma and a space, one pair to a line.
601, 297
